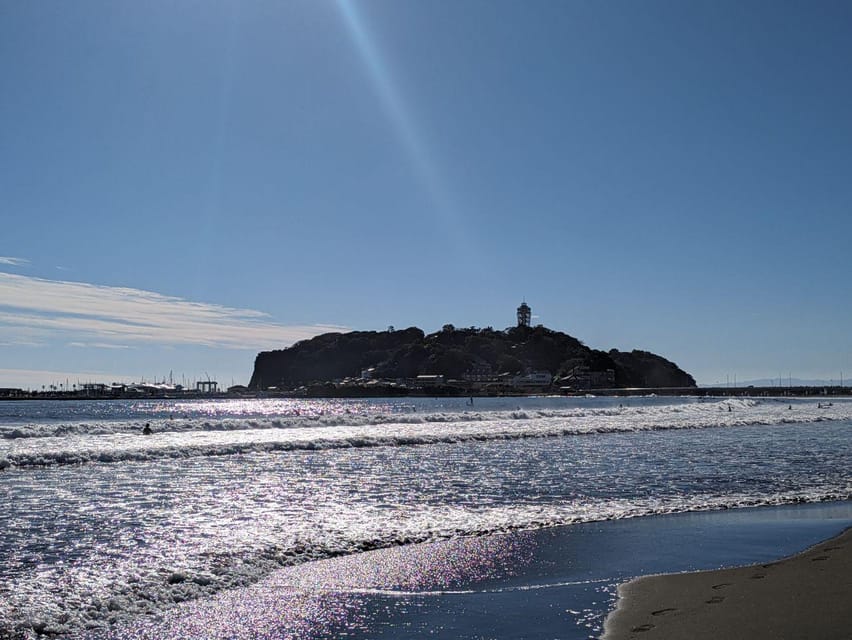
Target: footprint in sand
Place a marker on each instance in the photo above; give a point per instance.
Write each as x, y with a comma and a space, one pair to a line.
662, 612
644, 627
715, 600
819, 558
758, 576
721, 585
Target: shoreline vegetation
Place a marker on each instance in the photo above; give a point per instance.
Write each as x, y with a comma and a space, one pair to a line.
803, 596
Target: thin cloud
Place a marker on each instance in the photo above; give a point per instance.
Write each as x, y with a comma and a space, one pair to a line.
99, 345
21, 342
13, 262
86, 313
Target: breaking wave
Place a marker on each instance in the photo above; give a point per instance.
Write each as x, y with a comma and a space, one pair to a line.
40, 445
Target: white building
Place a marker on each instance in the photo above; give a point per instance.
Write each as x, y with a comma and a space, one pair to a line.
533, 379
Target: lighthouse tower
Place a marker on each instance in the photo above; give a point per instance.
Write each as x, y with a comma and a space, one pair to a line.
524, 315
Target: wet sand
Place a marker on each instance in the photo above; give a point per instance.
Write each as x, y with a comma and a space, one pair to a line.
806, 596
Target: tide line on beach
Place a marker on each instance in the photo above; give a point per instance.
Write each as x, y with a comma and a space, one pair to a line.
805, 596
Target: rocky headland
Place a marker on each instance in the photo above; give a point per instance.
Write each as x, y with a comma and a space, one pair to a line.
461, 359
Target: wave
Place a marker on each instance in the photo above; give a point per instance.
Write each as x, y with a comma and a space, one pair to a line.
133, 591
122, 442
338, 417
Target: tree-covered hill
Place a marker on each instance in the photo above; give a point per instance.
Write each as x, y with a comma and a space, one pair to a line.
456, 354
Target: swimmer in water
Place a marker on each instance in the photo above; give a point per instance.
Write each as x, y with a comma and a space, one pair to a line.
146, 430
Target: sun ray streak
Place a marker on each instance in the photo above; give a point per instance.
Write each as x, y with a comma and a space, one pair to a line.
407, 131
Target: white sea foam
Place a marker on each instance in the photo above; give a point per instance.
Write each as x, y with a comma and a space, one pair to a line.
98, 599
106, 442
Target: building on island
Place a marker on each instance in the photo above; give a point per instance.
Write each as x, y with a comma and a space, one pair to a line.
524, 315
532, 380
582, 377
479, 372
429, 380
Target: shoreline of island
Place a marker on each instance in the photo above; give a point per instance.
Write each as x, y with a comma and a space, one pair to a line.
326, 390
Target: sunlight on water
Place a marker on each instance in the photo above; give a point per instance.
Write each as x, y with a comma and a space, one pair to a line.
105, 524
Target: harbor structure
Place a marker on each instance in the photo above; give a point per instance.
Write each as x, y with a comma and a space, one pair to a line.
207, 386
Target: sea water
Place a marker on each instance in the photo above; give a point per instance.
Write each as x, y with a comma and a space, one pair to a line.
103, 526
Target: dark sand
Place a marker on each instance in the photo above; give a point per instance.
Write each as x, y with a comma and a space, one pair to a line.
807, 596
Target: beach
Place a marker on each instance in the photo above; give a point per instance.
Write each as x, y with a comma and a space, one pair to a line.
804, 596
395, 518
540, 584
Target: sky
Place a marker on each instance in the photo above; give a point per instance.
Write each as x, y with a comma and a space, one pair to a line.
183, 185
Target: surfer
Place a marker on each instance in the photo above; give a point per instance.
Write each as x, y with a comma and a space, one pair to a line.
146, 430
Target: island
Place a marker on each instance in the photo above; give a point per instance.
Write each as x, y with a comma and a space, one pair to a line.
457, 361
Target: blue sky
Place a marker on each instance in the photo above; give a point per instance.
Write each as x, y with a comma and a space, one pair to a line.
186, 184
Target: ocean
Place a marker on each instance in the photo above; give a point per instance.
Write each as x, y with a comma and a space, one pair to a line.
325, 505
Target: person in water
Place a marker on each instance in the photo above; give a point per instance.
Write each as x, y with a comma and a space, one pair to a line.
146, 430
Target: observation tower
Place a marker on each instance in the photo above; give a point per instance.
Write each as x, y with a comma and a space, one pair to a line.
524, 315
